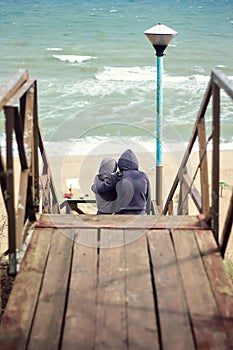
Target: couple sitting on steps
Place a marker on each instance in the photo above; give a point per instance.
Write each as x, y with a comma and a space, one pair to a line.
124, 192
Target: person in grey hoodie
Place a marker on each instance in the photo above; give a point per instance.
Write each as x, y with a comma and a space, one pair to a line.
104, 186
133, 187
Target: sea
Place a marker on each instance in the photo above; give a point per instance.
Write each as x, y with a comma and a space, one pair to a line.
96, 70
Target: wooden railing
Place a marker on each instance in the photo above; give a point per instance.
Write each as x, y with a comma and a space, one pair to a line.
18, 99
206, 204
37, 192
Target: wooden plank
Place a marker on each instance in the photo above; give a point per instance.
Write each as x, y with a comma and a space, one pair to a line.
88, 237
111, 332
111, 238
220, 282
79, 327
14, 100
12, 86
175, 328
48, 319
18, 316
208, 328
141, 318
223, 82
119, 221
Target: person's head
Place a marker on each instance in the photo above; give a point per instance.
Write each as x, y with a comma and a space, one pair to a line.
128, 161
107, 166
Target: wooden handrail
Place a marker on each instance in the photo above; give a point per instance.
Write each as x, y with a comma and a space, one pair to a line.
18, 99
12, 86
217, 81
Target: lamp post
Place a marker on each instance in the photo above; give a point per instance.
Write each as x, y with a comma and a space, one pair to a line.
159, 36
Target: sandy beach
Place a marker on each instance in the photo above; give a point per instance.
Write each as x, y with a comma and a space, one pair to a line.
77, 172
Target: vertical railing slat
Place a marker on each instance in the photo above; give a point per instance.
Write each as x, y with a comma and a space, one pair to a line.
215, 160
227, 227
9, 194
35, 148
203, 167
183, 207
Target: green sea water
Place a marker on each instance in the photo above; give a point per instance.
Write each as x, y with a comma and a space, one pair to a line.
96, 70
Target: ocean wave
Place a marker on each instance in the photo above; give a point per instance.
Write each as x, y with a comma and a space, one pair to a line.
73, 58
103, 145
54, 49
126, 74
147, 73
100, 145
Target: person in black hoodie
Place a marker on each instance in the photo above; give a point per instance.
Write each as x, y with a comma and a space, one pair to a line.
133, 187
104, 186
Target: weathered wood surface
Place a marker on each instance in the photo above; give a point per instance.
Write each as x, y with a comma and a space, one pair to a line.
123, 221
90, 286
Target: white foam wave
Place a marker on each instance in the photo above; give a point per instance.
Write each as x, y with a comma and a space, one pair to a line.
221, 66
145, 74
126, 74
54, 49
97, 145
73, 58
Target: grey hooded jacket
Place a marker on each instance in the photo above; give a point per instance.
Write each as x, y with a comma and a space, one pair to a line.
104, 187
133, 187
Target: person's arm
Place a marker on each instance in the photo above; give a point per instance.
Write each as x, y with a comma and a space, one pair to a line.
106, 184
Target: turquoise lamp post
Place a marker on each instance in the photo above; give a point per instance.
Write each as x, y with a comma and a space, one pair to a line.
159, 36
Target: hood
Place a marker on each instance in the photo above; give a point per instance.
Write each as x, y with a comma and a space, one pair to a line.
107, 166
128, 161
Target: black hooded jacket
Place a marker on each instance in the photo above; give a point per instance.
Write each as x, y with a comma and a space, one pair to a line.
133, 187
104, 186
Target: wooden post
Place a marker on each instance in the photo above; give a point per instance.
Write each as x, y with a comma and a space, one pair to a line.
203, 167
215, 160
170, 208
35, 148
2, 175
9, 194
227, 227
183, 195
52, 205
